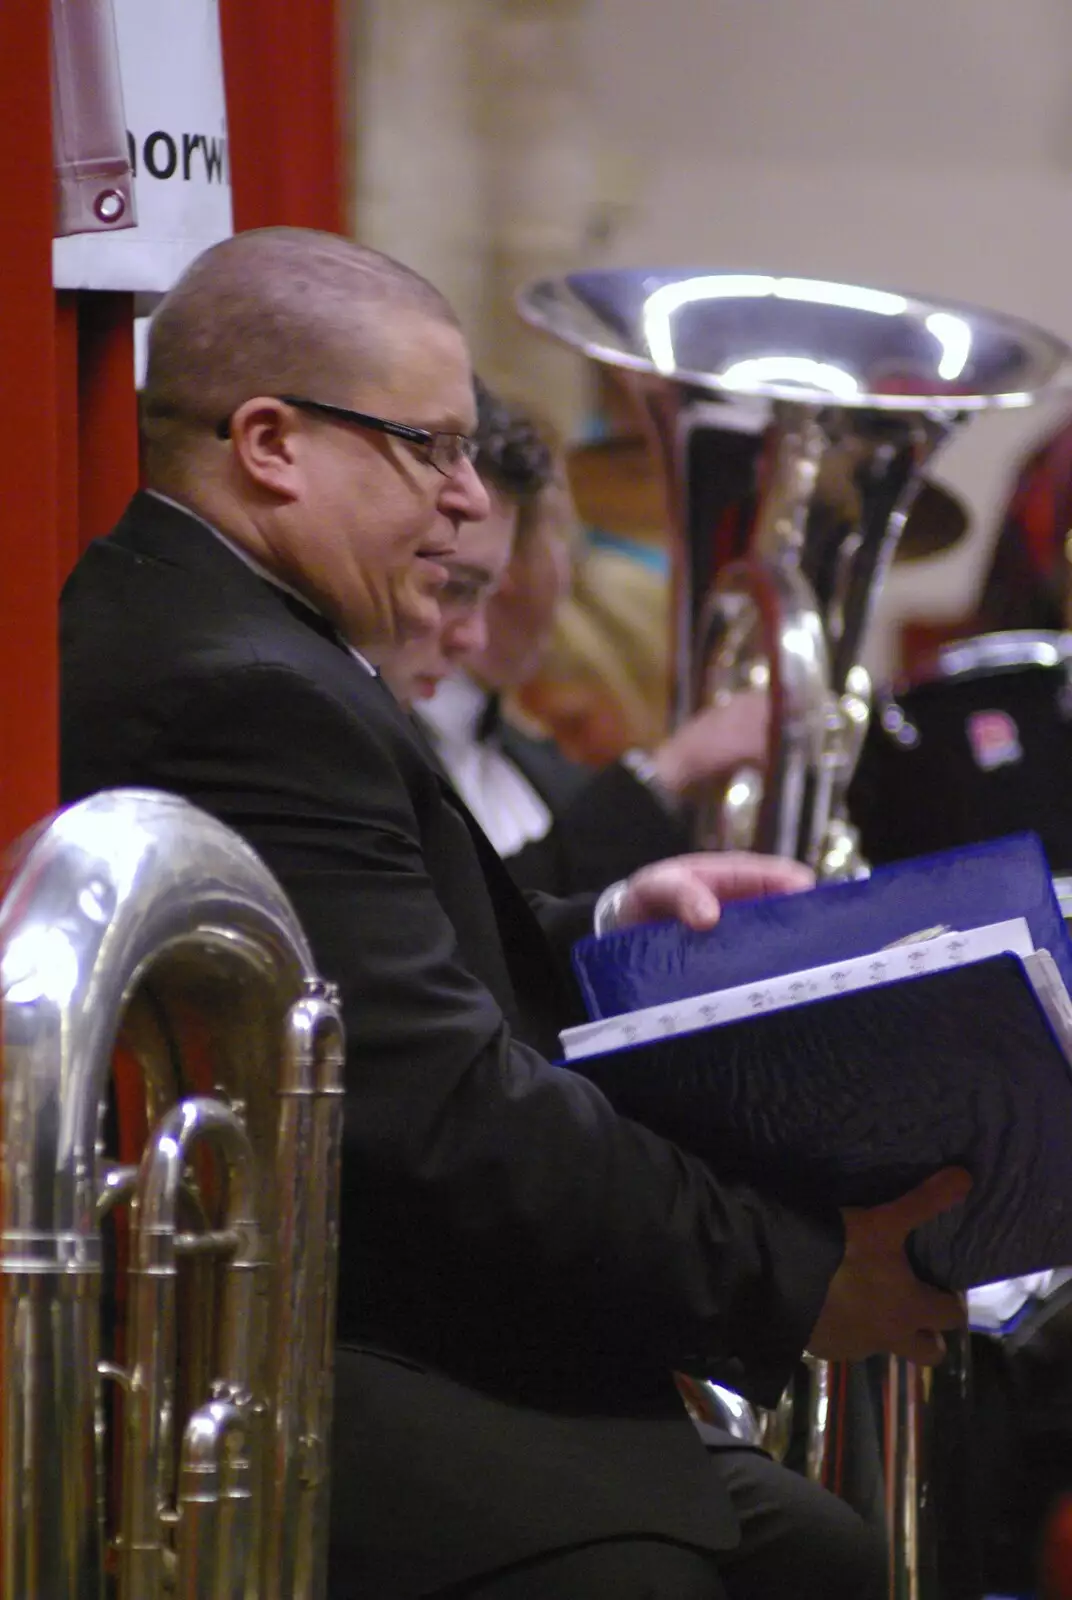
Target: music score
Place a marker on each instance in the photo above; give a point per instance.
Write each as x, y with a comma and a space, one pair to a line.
926, 953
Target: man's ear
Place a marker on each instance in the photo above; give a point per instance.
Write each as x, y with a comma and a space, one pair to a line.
264, 437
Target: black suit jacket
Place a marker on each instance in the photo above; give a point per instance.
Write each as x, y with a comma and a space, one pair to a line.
606, 824
527, 1263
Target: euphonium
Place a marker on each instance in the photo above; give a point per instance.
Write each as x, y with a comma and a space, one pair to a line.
190, 1455
792, 419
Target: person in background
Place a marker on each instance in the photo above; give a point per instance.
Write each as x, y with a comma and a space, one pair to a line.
603, 682
1028, 582
560, 826
514, 465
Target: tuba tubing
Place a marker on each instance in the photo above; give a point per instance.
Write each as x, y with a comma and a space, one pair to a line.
214, 1505
123, 892
156, 1246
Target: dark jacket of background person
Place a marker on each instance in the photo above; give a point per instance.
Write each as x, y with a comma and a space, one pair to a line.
606, 825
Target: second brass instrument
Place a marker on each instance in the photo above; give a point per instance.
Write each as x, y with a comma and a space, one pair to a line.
193, 1460
792, 418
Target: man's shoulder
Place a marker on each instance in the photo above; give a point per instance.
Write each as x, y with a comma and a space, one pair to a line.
164, 588
160, 620
158, 553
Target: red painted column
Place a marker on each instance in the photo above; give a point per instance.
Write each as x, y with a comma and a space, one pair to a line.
29, 488
107, 412
67, 541
281, 65
70, 429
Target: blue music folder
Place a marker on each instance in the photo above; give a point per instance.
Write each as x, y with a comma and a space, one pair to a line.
852, 1098
758, 939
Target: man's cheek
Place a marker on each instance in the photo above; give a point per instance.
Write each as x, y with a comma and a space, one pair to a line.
418, 615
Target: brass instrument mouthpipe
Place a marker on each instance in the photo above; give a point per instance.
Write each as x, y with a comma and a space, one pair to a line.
310, 1141
215, 1505
153, 1273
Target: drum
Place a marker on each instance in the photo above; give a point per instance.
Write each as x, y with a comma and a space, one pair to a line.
981, 748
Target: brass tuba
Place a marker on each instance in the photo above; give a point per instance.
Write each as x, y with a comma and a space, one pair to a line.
189, 1454
792, 419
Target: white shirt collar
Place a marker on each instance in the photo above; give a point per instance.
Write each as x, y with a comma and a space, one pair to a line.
255, 566
454, 710
498, 794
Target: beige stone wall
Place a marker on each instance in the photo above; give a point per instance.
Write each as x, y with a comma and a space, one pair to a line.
418, 169
918, 146
475, 164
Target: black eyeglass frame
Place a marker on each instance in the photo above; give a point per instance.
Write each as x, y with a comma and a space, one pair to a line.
423, 438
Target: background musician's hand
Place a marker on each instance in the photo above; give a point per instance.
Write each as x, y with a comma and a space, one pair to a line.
875, 1302
714, 741
692, 888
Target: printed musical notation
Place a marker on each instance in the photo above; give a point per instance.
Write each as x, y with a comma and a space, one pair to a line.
930, 951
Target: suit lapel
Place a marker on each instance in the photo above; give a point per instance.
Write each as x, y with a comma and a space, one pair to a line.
533, 966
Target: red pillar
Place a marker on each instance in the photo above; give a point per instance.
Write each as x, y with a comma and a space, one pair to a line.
67, 405
29, 488
67, 540
107, 412
282, 72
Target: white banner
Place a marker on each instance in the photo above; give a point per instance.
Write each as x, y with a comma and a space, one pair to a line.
173, 179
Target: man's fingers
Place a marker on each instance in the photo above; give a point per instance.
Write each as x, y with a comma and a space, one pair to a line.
692, 888
935, 1194
926, 1348
670, 889
936, 1308
738, 876
700, 908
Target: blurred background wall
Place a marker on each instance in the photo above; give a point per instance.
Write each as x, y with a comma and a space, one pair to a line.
921, 145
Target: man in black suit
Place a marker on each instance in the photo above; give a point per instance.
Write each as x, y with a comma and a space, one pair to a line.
561, 827
520, 1266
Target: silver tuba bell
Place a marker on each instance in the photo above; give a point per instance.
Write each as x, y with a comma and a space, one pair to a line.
792, 419
189, 1454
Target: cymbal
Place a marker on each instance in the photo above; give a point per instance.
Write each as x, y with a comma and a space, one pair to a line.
616, 486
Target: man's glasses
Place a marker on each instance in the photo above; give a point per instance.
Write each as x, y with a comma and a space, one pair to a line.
464, 591
444, 451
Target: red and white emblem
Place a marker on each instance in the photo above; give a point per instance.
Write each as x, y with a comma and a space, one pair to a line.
994, 739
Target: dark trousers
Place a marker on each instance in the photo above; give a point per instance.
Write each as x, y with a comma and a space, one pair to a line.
797, 1543
430, 1476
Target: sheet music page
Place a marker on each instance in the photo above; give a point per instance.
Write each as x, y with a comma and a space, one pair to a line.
1053, 996
907, 959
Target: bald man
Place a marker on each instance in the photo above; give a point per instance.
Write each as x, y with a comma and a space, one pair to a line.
521, 1268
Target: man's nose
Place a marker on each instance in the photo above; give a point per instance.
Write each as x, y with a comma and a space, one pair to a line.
463, 494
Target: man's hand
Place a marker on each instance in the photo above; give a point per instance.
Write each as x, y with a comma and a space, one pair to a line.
875, 1303
716, 740
692, 888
